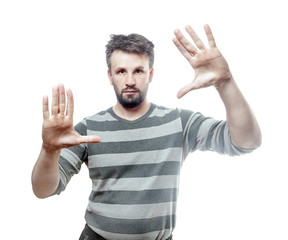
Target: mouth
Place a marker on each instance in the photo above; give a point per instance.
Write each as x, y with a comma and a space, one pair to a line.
130, 91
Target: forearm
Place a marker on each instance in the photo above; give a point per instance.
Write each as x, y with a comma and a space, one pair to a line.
242, 124
45, 174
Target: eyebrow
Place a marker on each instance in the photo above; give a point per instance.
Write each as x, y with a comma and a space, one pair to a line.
138, 67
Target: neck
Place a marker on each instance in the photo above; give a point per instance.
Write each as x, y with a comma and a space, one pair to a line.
132, 113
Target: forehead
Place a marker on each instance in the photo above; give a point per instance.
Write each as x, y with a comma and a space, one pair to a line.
126, 59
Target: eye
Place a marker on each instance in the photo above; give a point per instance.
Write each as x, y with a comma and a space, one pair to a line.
139, 71
121, 71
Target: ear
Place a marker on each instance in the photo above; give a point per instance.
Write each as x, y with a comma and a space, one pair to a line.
110, 77
151, 73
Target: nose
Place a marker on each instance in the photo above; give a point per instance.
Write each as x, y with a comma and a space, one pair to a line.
130, 81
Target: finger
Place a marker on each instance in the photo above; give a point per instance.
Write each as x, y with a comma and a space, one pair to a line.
195, 37
89, 139
184, 52
185, 43
55, 100
183, 91
62, 100
45, 108
70, 103
210, 36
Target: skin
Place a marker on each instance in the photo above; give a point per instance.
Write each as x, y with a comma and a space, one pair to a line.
211, 69
57, 133
130, 71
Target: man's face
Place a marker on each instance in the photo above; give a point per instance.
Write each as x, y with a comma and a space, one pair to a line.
130, 75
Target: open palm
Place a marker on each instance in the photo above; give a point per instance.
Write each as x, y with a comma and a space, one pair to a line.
211, 68
58, 130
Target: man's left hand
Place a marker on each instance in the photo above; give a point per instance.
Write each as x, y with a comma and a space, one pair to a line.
211, 68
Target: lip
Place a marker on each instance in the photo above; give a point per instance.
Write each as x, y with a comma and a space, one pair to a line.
130, 92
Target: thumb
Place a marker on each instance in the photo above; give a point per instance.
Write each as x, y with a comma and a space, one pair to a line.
183, 91
90, 139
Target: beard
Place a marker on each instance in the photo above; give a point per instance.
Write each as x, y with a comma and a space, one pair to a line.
133, 100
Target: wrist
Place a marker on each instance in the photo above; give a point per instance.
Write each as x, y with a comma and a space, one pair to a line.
224, 84
51, 150
48, 159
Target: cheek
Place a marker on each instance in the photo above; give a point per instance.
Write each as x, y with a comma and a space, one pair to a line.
143, 80
116, 81
120, 79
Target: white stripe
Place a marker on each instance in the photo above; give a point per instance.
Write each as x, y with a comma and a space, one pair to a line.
137, 184
160, 112
102, 118
137, 211
139, 133
135, 158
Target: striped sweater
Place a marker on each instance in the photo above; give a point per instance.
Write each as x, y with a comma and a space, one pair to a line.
135, 169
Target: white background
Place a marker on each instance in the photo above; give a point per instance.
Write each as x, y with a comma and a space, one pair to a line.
43, 43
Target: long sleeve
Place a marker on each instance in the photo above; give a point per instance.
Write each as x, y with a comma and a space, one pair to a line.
207, 134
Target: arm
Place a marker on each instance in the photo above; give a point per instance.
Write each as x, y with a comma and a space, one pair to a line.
57, 133
243, 126
45, 174
211, 69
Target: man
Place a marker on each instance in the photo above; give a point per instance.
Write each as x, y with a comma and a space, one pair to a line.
134, 150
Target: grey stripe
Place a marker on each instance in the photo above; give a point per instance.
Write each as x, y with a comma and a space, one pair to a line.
191, 133
136, 184
73, 156
120, 125
67, 170
148, 157
63, 181
212, 133
68, 166
135, 197
139, 211
134, 171
170, 141
81, 128
212, 130
140, 133
130, 226
221, 142
185, 116
79, 150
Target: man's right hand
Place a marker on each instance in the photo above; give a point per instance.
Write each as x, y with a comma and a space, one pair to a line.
58, 130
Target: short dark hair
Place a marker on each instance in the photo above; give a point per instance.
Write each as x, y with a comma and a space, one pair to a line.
132, 43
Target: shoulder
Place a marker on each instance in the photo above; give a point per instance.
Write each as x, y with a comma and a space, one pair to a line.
161, 110
166, 114
104, 115
187, 117
182, 113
